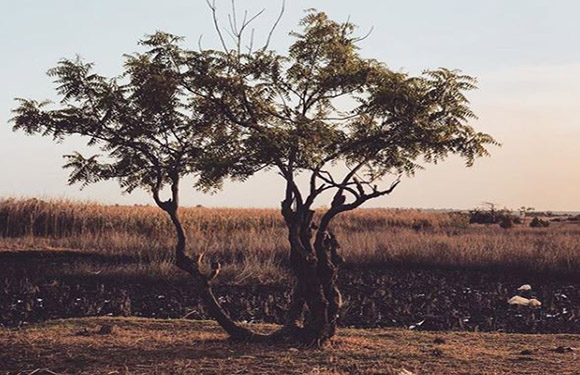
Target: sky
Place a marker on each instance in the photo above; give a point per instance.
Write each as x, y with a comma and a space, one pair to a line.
523, 52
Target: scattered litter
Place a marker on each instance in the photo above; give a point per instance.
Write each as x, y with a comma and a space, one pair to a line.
525, 288
413, 326
405, 372
517, 300
189, 314
522, 301
564, 349
42, 371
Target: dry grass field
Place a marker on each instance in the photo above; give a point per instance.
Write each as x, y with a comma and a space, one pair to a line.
148, 346
251, 243
120, 253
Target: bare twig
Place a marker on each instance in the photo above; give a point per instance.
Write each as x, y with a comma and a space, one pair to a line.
213, 8
356, 40
282, 9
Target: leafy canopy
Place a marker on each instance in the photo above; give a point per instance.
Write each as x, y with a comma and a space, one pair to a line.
232, 112
144, 122
323, 104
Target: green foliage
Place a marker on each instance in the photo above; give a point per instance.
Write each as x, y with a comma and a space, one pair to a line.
322, 104
229, 113
148, 130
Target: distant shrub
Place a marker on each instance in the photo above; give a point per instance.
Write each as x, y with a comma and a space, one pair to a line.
478, 216
481, 216
506, 222
539, 223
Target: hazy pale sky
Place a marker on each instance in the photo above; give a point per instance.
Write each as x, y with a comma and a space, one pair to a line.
524, 52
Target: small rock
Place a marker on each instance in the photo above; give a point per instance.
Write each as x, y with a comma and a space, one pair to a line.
405, 372
105, 329
525, 288
526, 352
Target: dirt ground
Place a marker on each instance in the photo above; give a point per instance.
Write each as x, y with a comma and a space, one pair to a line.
149, 346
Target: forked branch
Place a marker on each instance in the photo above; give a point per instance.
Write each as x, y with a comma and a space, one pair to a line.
236, 31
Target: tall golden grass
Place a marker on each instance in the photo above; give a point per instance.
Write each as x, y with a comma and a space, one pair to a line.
252, 242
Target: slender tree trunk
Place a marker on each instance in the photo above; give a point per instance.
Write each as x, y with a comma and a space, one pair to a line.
192, 267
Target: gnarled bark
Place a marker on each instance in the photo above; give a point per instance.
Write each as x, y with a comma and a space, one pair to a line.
315, 263
314, 260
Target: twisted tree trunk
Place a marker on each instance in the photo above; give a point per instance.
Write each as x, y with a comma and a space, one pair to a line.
315, 263
313, 312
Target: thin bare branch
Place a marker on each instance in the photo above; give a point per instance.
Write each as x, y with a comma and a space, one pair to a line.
213, 8
356, 40
199, 43
251, 46
248, 22
235, 24
282, 9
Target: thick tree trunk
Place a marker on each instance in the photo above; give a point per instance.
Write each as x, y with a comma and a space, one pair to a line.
322, 294
315, 266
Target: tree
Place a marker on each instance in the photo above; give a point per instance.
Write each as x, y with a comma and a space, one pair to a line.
149, 132
231, 112
289, 112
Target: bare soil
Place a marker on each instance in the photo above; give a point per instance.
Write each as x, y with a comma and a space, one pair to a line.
164, 347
